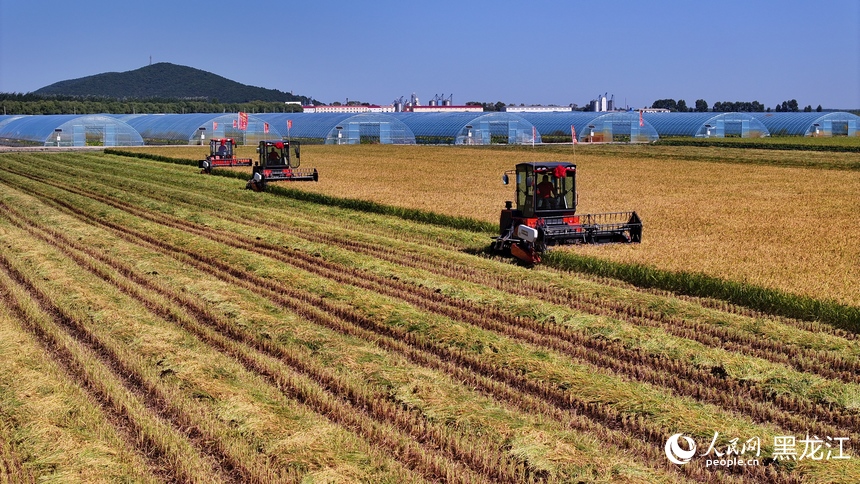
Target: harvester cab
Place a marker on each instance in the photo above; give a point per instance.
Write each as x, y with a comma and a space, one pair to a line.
221, 154
545, 214
277, 164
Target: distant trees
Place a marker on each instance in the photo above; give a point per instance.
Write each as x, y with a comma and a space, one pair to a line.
701, 106
739, 107
498, 106
787, 107
670, 104
33, 104
14, 103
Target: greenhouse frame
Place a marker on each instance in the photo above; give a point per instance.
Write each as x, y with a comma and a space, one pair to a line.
197, 128
455, 128
66, 130
707, 125
810, 124
594, 126
470, 128
341, 128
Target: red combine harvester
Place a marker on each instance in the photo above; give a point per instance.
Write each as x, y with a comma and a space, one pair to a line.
275, 164
220, 155
545, 214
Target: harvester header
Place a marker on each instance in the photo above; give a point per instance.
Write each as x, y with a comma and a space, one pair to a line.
545, 214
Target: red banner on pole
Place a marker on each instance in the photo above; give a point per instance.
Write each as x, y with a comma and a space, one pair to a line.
573, 134
243, 121
289, 124
641, 122
265, 127
214, 125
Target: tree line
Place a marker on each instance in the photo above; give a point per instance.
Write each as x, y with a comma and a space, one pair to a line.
15, 103
35, 104
701, 106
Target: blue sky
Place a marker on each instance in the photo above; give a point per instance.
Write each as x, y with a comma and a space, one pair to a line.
532, 52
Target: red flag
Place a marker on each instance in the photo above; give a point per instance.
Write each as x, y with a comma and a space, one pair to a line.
289, 124
573, 134
234, 124
265, 127
641, 122
243, 121
214, 125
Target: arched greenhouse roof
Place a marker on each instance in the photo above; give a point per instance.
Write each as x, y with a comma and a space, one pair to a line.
810, 124
7, 118
469, 128
72, 130
707, 124
593, 126
342, 128
185, 128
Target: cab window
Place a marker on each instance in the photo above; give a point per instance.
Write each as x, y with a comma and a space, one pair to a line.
525, 191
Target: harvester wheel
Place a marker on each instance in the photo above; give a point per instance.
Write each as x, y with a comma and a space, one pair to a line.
257, 183
541, 243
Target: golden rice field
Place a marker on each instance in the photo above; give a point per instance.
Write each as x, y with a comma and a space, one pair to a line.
731, 213
160, 325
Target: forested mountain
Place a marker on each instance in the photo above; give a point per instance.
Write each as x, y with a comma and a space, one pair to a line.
165, 81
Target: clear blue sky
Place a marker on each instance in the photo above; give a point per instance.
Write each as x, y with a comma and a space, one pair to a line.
532, 52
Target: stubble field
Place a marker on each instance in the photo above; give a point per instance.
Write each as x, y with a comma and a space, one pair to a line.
161, 325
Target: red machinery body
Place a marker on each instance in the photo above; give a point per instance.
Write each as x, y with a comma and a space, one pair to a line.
545, 214
221, 155
277, 164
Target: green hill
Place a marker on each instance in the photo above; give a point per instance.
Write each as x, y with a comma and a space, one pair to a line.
165, 81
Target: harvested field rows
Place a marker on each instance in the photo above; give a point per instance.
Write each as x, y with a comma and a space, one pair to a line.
220, 334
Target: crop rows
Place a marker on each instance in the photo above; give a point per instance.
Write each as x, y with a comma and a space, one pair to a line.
352, 323
684, 379
829, 364
431, 449
350, 415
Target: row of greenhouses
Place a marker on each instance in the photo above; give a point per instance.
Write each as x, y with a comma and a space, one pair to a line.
457, 128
